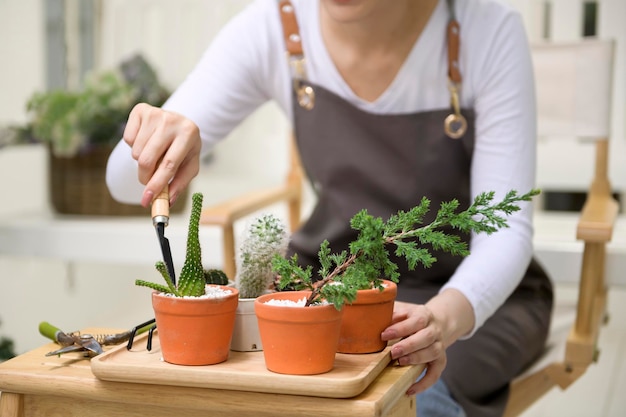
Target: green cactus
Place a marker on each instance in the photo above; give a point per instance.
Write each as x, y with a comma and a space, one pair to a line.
265, 237
215, 276
191, 282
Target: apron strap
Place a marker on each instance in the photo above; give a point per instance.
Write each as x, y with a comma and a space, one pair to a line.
455, 124
453, 45
291, 31
295, 55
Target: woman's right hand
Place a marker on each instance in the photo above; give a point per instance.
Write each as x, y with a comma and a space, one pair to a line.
166, 147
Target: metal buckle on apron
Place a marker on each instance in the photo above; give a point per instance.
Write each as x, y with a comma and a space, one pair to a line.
455, 124
304, 93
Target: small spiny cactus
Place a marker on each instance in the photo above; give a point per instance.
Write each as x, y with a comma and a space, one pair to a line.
265, 237
215, 277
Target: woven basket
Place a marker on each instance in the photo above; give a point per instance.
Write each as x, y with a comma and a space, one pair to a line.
77, 186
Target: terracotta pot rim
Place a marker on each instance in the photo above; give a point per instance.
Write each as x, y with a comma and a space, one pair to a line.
288, 295
233, 292
374, 295
283, 295
293, 313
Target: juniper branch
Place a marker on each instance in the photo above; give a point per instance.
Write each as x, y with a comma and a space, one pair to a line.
368, 258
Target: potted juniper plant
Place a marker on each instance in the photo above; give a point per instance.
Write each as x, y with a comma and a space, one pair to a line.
264, 238
194, 319
365, 266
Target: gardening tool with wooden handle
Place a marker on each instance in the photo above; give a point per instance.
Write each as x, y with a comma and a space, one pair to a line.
160, 220
75, 341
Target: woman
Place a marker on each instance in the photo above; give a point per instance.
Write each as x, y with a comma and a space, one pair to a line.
368, 85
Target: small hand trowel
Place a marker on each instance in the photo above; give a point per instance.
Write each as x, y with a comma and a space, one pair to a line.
160, 220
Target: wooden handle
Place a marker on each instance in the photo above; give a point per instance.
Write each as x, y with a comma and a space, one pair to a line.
161, 206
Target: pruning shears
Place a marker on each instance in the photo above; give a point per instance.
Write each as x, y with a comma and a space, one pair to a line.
91, 344
72, 342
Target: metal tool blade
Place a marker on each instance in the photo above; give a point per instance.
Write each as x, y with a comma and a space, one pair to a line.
88, 342
160, 219
166, 251
66, 349
82, 343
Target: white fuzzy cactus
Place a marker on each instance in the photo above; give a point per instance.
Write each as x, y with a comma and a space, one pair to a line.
264, 238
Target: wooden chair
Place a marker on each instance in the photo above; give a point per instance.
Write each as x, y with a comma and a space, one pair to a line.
573, 82
574, 85
224, 215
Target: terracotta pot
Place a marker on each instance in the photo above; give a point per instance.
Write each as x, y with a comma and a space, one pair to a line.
364, 320
246, 337
298, 340
195, 331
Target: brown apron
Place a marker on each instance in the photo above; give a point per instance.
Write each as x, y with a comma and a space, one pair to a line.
385, 163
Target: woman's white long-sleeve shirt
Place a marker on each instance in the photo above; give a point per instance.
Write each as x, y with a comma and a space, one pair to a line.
245, 66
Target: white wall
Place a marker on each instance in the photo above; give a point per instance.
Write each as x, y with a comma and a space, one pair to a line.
21, 56
568, 165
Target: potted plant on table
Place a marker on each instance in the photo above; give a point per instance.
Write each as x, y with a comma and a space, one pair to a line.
195, 320
80, 129
362, 267
264, 238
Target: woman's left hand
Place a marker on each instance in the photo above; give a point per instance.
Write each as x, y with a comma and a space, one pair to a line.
422, 342
426, 331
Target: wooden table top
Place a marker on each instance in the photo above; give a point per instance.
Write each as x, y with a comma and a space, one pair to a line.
70, 376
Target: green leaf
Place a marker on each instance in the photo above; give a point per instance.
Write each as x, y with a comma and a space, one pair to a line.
154, 286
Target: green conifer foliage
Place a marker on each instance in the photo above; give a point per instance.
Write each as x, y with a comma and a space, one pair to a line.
367, 261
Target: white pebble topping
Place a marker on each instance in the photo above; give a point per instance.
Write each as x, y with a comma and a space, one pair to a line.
210, 291
287, 303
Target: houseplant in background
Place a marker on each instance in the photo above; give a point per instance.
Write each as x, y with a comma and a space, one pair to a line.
363, 267
80, 128
195, 321
6, 348
264, 238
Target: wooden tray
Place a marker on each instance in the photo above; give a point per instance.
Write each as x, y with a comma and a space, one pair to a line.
243, 371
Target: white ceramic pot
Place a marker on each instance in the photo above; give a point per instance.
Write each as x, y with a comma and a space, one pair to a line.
246, 336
